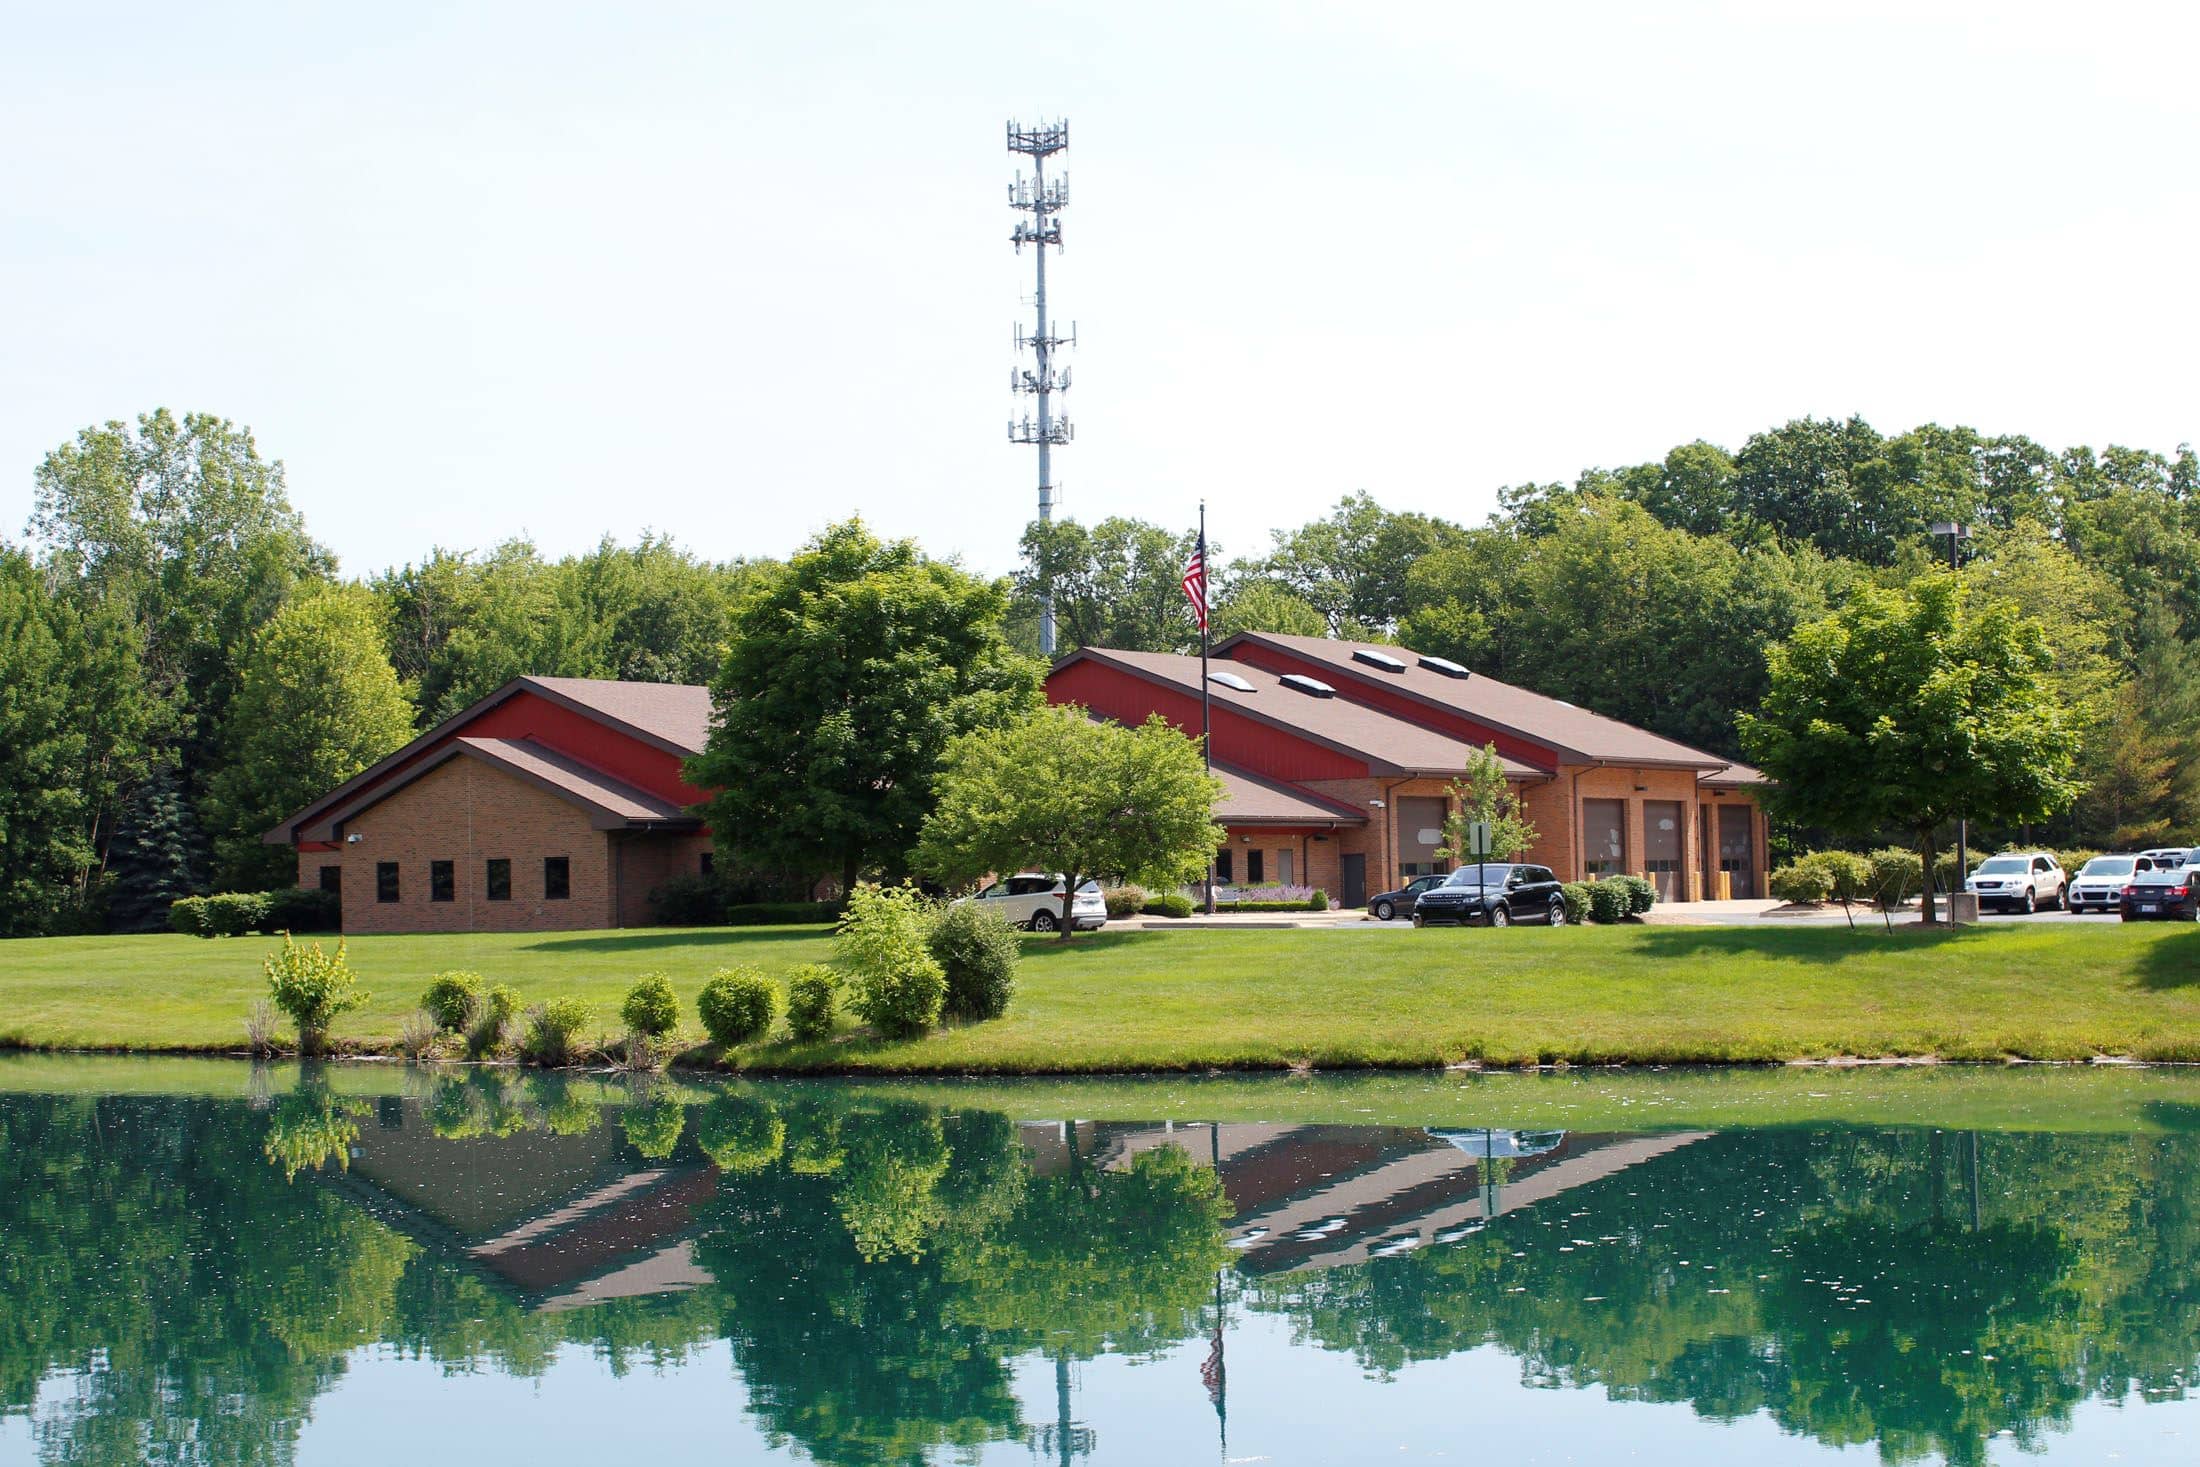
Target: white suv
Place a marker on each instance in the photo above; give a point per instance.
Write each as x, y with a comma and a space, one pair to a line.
1034, 900
2022, 881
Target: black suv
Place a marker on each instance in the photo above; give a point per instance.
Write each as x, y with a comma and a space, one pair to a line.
1496, 895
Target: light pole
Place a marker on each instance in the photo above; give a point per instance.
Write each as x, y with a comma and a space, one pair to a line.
1955, 534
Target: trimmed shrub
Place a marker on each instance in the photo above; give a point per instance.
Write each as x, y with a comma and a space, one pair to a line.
651, 1006
303, 909
1642, 894
811, 990
1800, 883
895, 984
783, 914
188, 916
1895, 875
1170, 904
450, 999
1848, 875
1318, 901
737, 1005
1126, 900
234, 913
977, 952
312, 987
1948, 875
1608, 900
554, 1031
1577, 900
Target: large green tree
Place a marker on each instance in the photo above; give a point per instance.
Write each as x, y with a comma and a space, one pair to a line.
1908, 709
317, 703
1062, 791
179, 527
1351, 565
848, 673
1118, 583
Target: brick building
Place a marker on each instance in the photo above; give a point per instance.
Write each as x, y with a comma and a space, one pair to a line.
553, 803
1336, 758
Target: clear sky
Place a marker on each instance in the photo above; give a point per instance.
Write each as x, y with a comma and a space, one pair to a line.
734, 270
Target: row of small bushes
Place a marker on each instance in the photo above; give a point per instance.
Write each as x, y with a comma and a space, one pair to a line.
1130, 901
911, 962
236, 913
1885, 877
1610, 899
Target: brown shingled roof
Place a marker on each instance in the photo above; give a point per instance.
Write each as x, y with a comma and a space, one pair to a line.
673, 713
1385, 740
1573, 731
1249, 799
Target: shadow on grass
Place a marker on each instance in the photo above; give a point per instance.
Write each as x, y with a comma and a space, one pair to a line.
657, 939
1822, 945
2174, 962
1051, 945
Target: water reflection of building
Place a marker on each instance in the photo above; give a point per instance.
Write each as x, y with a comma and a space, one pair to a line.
1316, 1196
564, 1221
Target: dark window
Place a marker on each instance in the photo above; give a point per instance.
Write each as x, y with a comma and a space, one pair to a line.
708, 863
1222, 865
557, 878
500, 879
332, 878
385, 881
1253, 872
442, 881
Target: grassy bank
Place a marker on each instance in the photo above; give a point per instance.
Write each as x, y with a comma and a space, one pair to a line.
2089, 1098
1325, 998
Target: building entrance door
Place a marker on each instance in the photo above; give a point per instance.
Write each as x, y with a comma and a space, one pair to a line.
1354, 874
1661, 848
1737, 851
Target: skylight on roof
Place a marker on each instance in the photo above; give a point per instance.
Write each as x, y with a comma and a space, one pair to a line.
1312, 687
1374, 658
1231, 680
1445, 666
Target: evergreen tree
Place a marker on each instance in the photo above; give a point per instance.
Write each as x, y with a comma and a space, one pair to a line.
158, 854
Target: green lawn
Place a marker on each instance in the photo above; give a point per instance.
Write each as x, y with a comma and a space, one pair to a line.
1327, 998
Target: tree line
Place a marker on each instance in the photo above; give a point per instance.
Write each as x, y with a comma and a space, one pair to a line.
182, 664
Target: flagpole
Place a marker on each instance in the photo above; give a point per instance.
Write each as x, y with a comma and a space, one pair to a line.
1206, 689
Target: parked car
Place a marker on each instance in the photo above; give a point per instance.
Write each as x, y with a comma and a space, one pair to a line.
2168, 893
2099, 884
1495, 895
1385, 905
2018, 881
1034, 899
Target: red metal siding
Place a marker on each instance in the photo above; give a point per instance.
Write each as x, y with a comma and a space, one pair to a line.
1428, 715
1244, 742
577, 736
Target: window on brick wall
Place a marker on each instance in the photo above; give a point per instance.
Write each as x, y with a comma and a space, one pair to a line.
442, 881
385, 881
1222, 866
557, 878
708, 863
1253, 873
500, 879
332, 878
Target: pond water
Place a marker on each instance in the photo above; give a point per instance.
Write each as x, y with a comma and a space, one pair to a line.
205, 1262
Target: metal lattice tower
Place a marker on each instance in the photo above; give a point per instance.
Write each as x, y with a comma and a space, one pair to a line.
1042, 199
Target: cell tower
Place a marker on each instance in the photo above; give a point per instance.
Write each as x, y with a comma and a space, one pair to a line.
1042, 199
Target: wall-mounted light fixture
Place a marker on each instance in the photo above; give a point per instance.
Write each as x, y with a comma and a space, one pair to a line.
352, 840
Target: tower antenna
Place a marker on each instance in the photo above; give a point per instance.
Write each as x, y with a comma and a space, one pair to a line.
1043, 199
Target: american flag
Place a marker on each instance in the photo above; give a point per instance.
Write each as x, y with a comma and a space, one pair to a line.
1195, 584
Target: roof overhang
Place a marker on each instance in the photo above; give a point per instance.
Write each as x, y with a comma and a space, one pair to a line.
615, 813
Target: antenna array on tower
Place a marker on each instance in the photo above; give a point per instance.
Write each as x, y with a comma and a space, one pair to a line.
1042, 198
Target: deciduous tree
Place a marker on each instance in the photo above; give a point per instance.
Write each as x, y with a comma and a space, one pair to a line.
1061, 791
1905, 710
848, 674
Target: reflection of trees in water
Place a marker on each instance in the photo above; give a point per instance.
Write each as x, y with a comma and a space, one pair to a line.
879, 1266
1835, 1281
